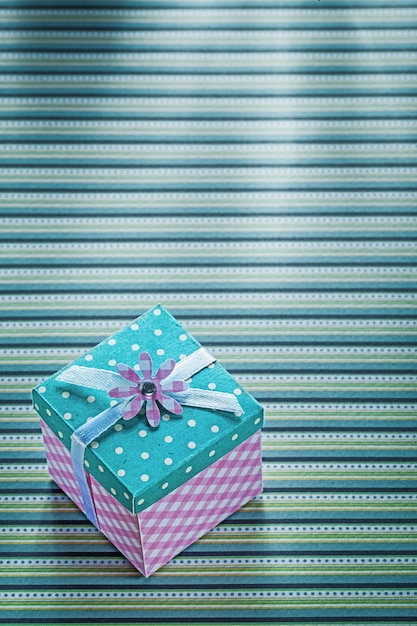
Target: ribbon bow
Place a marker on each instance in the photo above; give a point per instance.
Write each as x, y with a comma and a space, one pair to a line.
167, 387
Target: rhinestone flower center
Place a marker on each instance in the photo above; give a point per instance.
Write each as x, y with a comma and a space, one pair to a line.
148, 388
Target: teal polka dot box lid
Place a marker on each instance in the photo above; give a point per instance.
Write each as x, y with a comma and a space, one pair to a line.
152, 438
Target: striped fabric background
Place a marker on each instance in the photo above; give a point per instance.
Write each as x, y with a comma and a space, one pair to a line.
252, 165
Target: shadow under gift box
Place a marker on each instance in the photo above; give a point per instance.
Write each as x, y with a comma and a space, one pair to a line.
154, 490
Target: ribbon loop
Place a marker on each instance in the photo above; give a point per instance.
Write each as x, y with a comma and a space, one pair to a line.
91, 377
205, 399
191, 364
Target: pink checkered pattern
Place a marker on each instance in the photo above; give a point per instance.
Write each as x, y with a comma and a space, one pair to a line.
160, 532
60, 465
183, 516
165, 369
118, 524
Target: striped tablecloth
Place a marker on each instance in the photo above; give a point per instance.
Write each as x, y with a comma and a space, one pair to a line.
252, 166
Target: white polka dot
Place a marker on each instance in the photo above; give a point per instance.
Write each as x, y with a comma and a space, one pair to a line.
95, 445
101, 468
235, 436
144, 455
160, 352
191, 423
48, 412
212, 452
188, 380
111, 342
136, 367
41, 389
144, 478
118, 450
141, 501
121, 472
189, 468
91, 399
168, 439
113, 402
134, 327
183, 337
168, 461
211, 365
142, 433
166, 417
113, 491
192, 445
135, 347
212, 385
182, 357
214, 429
65, 394
86, 463
126, 495
88, 357
238, 413
89, 419
165, 485
157, 311
157, 332
36, 406
118, 428
112, 362
237, 391
258, 419
67, 416
60, 435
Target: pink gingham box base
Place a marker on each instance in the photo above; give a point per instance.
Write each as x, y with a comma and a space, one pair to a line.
158, 533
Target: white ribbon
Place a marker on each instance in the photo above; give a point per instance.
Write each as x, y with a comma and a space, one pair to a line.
186, 368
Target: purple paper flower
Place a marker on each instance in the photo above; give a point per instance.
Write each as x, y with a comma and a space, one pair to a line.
149, 389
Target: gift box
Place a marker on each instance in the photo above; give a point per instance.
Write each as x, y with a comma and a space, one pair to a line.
151, 438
